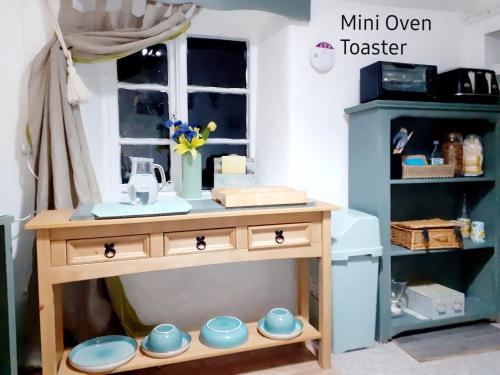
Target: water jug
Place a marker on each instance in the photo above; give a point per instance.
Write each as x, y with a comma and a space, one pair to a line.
142, 186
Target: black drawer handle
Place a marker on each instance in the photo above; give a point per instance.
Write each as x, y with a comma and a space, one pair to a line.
109, 250
279, 237
200, 243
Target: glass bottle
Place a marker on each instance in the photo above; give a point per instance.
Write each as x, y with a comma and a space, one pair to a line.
473, 156
464, 218
453, 152
436, 158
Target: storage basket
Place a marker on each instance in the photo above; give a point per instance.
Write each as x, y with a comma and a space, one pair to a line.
426, 234
427, 171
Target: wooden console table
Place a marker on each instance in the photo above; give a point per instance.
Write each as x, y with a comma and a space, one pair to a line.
69, 251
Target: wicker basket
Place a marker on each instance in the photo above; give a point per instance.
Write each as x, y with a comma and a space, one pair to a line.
428, 171
426, 234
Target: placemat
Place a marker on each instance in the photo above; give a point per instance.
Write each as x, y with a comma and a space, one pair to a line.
84, 212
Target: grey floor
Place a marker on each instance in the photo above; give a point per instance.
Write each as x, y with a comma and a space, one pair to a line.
389, 359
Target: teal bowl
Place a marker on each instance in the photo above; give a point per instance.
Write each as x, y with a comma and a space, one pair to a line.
279, 321
224, 332
165, 338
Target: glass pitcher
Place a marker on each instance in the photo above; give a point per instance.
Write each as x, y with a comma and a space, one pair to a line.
142, 186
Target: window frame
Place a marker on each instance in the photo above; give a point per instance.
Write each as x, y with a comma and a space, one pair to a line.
177, 91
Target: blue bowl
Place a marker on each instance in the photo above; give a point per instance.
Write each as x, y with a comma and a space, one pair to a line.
280, 321
164, 338
223, 332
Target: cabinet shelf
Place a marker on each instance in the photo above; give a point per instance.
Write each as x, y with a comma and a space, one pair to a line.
199, 351
410, 181
468, 246
475, 309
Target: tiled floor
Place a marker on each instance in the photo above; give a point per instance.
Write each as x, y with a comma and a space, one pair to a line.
389, 359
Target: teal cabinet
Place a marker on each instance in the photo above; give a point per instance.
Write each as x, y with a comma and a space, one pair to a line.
8, 352
375, 187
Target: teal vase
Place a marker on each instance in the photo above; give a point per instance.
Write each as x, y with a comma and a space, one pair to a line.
191, 175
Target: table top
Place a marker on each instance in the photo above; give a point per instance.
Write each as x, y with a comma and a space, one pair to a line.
52, 219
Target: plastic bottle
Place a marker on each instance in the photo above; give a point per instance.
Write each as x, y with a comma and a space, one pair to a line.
436, 157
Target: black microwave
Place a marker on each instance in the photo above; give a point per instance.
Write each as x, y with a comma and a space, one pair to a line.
397, 81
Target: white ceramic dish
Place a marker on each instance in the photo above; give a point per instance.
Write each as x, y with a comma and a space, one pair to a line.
186, 343
276, 336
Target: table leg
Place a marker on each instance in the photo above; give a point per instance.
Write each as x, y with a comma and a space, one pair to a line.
303, 287
50, 308
325, 295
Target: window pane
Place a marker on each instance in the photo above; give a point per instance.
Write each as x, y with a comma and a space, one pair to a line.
160, 155
210, 152
147, 66
229, 111
217, 63
142, 113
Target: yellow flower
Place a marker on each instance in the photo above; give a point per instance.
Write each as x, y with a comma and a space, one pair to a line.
197, 142
212, 126
186, 146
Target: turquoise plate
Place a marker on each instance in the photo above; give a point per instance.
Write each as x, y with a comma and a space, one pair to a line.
103, 354
299, 326
223, 332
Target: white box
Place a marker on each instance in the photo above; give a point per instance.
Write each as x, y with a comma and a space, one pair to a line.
435, 301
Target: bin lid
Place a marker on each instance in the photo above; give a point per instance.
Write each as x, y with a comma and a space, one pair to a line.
354, 233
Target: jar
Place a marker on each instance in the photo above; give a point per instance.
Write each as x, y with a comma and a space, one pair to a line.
473, 156
453, 152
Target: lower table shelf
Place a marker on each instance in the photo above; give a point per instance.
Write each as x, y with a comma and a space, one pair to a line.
199, 351
475, 309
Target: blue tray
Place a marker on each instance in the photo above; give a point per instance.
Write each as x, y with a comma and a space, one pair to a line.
121, 210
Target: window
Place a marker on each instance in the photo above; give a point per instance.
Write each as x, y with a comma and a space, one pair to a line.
193, 79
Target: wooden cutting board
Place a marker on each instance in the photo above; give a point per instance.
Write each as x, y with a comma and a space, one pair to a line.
258, 196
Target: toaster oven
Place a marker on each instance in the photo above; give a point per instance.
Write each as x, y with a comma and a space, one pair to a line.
397, 81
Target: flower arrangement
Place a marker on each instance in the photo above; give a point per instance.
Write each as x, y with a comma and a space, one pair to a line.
189, 138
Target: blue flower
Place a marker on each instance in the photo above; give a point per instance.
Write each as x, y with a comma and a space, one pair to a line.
184, 127
168, 123
176, 135
178, 123
190, 134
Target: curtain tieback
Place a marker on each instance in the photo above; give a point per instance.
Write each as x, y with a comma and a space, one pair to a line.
77, 92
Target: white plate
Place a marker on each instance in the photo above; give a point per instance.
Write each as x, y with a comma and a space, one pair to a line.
277, 336
186, 343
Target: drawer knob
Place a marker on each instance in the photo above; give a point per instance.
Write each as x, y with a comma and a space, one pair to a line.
109, 250
279, 237
200, 243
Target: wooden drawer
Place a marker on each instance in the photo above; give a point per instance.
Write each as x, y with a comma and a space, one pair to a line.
200, 241
112, 249
274, 236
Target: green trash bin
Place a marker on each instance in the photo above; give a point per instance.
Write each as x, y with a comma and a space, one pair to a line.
356, 250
